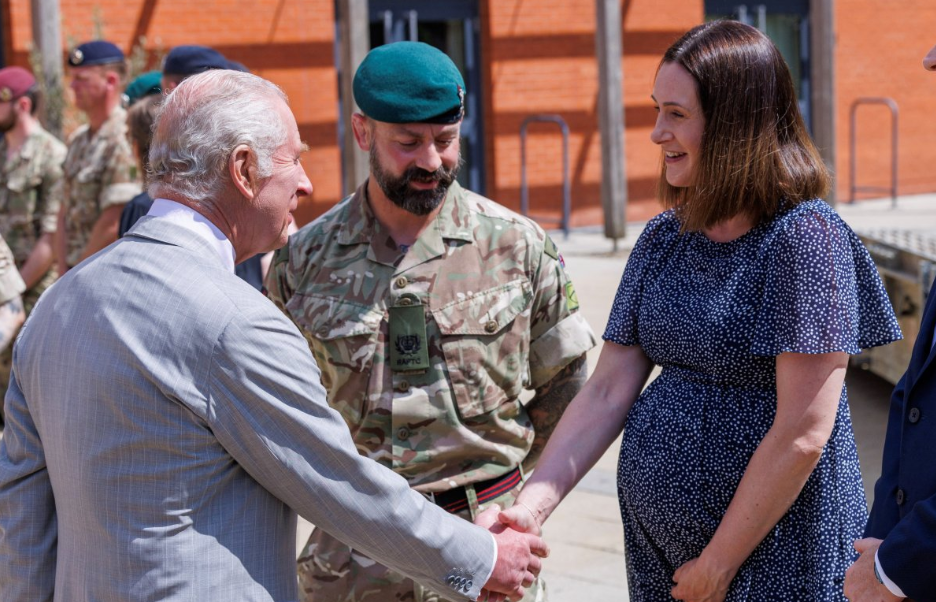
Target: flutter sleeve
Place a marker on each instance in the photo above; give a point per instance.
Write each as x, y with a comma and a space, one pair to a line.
622, 323
822, 292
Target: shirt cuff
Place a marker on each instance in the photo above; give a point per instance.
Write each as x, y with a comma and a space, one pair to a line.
487, 577
890, 585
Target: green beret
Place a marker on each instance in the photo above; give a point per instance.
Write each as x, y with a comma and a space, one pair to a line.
409, 82
143, 85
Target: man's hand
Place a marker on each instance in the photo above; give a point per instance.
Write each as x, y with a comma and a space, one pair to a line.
697, 582
518, 558
860, 583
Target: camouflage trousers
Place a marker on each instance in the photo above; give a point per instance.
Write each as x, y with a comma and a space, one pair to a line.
330, 571
30, 298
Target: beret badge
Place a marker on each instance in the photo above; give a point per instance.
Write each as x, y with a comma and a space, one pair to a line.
77, 56
6, 94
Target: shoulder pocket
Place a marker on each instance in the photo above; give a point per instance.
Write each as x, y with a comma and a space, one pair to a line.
486, 342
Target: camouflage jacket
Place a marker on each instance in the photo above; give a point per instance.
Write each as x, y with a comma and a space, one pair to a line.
499, 314
11, 285
30, 191
100, 172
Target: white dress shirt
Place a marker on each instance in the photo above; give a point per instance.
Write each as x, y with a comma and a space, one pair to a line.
198, 224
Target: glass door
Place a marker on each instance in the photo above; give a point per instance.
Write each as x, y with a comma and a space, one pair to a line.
452, 27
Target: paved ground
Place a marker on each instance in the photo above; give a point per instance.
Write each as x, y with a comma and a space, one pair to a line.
585, 533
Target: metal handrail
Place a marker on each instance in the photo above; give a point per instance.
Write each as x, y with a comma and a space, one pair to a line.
566, 181
853, 178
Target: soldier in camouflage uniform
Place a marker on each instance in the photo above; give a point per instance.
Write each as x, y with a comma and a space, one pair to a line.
100, 172
429, 309
30, 190
11, 304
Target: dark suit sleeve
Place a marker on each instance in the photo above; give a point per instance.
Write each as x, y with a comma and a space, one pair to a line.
885, 512
908, 554
28, 523
267, 408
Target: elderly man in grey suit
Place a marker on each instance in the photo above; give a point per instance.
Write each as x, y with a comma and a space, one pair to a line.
166, 422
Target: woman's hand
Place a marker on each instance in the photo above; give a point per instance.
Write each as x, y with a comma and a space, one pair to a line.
698, 581
521, 518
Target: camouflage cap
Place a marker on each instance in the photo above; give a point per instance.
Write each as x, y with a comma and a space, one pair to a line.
14, 82
409, 82
96, 52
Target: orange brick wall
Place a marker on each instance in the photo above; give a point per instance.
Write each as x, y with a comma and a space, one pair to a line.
880, 47
540, 58
290, 42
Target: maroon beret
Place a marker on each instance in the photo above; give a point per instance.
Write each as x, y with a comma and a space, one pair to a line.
14, 82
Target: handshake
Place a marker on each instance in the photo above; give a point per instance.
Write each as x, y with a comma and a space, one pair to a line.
519, 552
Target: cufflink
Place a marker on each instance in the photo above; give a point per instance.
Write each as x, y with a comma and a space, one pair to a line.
460, 580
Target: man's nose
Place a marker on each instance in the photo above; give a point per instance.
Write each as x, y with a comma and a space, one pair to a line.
429, 159
305, 185
929, 61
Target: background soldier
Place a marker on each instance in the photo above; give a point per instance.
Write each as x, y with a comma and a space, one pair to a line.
181, 63
100, 173
30, 192
429, 309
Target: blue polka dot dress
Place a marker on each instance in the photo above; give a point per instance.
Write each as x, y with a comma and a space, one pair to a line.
714, 316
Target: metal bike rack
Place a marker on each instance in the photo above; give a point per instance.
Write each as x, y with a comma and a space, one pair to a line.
566, 182
895, 137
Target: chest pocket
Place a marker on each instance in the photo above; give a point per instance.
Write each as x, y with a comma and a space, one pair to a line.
343, 337
20, 202
486, 342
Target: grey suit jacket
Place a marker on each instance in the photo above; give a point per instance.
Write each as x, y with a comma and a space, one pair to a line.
165, 422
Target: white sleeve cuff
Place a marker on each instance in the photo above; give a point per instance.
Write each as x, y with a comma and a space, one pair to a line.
890, 585
487, 577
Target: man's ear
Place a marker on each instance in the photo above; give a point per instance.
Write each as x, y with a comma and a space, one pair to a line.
242, 167
363, 131
23, 105
113, 79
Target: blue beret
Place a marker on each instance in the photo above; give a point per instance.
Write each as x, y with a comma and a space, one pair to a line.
409, 82
189, 60
144, 85
235, 66
98, 52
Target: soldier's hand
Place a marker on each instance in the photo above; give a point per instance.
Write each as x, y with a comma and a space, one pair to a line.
518, 556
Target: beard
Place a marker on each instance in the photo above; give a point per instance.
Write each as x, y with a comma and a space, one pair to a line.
398, 190
8, 124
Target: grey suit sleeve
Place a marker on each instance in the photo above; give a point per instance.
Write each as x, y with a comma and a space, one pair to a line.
268, 408
28, 525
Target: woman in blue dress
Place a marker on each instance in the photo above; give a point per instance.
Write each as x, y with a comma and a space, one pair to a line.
738, 477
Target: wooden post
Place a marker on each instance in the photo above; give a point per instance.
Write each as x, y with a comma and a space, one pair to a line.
47, 38
611, 118
822, 41
354, 28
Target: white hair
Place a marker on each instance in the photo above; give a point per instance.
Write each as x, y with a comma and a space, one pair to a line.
201, 123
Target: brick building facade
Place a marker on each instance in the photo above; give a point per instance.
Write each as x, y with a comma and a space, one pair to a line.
529, 58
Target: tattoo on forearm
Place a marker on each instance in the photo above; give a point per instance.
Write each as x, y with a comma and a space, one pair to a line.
551, 400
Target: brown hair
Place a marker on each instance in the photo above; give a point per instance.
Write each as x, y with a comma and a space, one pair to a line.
140, 118
755, 151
